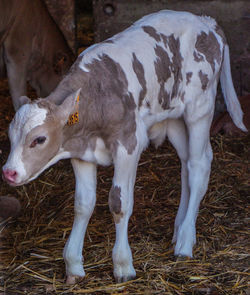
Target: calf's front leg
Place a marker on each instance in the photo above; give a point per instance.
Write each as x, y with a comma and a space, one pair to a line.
85, 197
121, 206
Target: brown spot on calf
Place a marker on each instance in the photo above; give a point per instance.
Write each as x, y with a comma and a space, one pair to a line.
115, 203
204, 80
174, 46
139, 71
188, 77
162, 69
198, 57
152, 33
106, 110
208, 45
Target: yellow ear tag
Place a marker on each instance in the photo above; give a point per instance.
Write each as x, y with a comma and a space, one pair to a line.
74, 118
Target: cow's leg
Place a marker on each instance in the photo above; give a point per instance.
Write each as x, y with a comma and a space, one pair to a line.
121, 206
16, 66
85, 197
199, 165
177, 135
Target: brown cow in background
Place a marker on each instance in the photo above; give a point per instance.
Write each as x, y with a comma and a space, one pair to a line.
32, 48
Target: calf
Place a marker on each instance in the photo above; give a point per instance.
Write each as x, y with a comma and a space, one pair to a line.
158, 78
32, 48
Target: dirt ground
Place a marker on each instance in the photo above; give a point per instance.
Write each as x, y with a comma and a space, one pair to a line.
31, 245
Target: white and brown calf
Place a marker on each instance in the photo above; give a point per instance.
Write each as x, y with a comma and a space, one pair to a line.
158, 78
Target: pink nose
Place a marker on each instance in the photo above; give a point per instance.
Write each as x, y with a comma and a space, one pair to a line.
9, 175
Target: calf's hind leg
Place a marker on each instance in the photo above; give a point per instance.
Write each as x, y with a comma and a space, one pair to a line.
177, 135
199, 165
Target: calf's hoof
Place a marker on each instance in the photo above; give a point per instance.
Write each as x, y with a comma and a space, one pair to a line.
186, 239
124, 275
183, 251
180, 258
124, 279
72, 280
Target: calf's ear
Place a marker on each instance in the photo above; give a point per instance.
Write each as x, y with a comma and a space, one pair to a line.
69, 106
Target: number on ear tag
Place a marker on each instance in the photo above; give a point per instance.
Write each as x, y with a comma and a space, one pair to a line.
74, 118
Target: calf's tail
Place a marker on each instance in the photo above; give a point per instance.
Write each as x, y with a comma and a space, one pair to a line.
231, 100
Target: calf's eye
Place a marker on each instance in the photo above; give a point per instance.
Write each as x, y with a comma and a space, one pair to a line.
38, 140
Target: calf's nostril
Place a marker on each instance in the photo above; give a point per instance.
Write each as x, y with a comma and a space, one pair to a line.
9, 175
13, 173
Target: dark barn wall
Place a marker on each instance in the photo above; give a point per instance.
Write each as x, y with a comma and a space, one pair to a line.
83, 6
112, 16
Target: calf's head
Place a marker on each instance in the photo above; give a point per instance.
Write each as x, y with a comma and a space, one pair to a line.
36, 137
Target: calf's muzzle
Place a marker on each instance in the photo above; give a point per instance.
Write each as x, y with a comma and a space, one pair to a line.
9, 176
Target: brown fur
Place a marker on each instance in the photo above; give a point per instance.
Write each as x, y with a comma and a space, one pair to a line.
115, 200
34, 48
139, 71
204, 80
106, 107
188, 77
164, 68
152, 33
198, 57
209, 46
174, 46
163, 73
52, 126
115, 204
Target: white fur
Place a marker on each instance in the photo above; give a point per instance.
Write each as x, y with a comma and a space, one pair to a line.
177, 135
15, 163
28, 117
199, 165
101, 155
87, 57
124, 178
85, 196
232, 102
